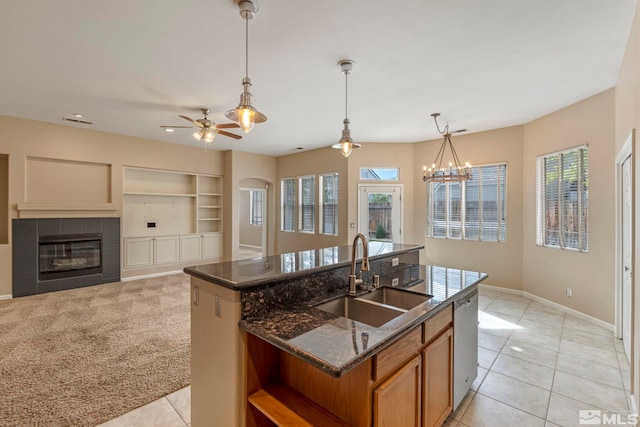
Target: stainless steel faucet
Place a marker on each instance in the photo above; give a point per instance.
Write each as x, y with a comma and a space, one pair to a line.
353, 282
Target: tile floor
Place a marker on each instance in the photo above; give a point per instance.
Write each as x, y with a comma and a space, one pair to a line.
538, 367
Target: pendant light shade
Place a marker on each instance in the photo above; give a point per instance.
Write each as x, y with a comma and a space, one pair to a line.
346, 144
245, 114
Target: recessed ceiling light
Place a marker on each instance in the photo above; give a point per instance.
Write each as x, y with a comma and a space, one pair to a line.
168, 130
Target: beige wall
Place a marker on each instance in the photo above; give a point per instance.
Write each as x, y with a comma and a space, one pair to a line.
548, 272
502, 261
242, 169
324, 160
627, 118
22, 139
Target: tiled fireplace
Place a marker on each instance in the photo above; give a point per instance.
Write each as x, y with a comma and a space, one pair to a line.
56, 254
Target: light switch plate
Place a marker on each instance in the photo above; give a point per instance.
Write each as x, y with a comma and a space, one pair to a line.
394, 262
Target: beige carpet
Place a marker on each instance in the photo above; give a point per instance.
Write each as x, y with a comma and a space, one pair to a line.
85, 356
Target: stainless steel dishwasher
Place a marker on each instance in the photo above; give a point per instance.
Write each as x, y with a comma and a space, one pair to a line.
465, 346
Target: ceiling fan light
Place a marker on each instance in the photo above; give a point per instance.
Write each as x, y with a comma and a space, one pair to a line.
209, 136
198, 135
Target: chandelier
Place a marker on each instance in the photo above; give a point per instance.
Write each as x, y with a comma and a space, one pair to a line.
455, 171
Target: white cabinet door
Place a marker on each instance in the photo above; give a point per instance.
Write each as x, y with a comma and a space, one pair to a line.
212, 245
138, 252
190, 247
166, 249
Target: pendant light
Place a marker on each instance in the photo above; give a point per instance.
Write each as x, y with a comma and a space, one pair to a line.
245, 113
455, 171
346, 144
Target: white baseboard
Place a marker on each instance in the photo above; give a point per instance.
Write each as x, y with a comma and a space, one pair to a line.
258, 248
6, 297
555, 305
149, 276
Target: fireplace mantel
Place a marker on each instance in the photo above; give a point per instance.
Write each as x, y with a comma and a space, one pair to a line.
66, 210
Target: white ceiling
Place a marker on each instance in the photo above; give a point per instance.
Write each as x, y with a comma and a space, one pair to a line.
132, 66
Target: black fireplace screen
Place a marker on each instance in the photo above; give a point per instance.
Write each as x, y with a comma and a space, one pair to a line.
69, 255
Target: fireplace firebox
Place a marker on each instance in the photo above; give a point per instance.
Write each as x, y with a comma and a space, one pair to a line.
69, 255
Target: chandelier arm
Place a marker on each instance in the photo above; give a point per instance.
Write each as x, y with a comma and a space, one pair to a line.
440, 155
459, 165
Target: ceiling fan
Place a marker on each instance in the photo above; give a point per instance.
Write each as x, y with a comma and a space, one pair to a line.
206, 128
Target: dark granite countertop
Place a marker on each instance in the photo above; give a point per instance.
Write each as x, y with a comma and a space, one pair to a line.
248, 273
336, 344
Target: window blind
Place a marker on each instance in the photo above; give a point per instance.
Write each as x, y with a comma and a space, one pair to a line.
307, 209
329, 204
475, 209
256, 206
288, 203
562, 199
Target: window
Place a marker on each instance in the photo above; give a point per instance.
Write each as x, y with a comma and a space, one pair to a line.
562, 199
379, 174
475, 209
256, 207
288, 202
307, 210
329, 204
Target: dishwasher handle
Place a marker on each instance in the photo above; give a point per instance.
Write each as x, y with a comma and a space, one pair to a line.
466, 300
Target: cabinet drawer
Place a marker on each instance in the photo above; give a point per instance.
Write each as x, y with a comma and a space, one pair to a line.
438, 323
391, 358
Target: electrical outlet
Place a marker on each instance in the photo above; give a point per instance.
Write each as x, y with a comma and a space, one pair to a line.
394, 281
218, 308
196, 295
568, 292
394, 262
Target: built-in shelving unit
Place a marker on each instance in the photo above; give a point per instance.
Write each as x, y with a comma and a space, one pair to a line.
209, 197
170, 217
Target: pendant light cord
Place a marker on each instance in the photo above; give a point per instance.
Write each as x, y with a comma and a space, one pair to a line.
246, 47
346, 96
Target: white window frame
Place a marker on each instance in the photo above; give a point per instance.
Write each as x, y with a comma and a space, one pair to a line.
283, 203
303, 227
334, 195
501, 200
582, 189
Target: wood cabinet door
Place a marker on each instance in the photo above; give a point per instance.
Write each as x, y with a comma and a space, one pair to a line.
166, 249
397, 401
212, 245
138, 252
437, 380
190, 247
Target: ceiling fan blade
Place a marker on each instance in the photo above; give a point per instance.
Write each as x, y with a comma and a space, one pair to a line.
189, 119
227, 125
177, 127
229, 134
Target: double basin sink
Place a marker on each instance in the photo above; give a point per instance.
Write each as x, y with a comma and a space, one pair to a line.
376, 307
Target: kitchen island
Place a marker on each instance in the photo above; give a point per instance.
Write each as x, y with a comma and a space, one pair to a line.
260, 345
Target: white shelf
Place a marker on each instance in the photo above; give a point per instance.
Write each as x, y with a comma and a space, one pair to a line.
130, 193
